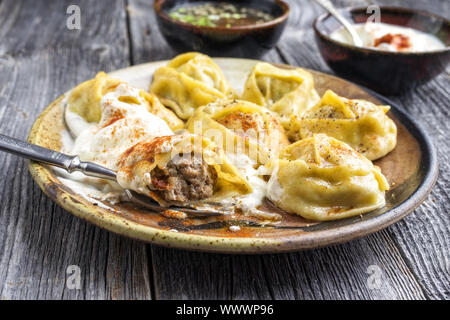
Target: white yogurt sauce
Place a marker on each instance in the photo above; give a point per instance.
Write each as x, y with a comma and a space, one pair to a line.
122, 125
274, 188
378, 35
248, 202
75, 123
102, 143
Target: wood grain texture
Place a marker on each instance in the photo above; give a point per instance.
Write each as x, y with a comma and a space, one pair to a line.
338, 272
423, 237
147, 43
40, 59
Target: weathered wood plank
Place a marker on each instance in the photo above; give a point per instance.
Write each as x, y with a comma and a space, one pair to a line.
37, 245
423, 237
147, 43
338, 272
39, 59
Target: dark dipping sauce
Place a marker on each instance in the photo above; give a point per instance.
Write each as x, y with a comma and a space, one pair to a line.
222, 14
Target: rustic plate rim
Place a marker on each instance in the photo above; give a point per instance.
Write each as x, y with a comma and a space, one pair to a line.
195, 242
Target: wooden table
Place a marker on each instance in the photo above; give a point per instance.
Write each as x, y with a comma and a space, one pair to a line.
40, 59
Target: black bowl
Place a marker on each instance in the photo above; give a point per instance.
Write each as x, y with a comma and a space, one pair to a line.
384, 71
237, 41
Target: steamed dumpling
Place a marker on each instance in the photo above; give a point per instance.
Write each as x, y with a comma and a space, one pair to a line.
85, 100
240, 127
321, 178
284, 91
189, 81
359, 123
180, 169
155, 107
125, 121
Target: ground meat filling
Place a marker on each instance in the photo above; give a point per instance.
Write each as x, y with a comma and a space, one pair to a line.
184, 179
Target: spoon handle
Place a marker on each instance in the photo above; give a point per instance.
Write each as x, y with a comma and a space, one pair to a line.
328, 5
54, 158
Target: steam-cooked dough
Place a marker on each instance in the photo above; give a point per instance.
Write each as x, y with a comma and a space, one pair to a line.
85, 101
321, 178
284, 91
189, 81
240, 126
360, 123
181, 169
125, 120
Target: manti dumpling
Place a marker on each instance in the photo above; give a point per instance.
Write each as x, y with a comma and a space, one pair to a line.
361, 124
181, 169
240, 127
85, 100
284, 91
125, 121
86, 97
322, 178
188, 81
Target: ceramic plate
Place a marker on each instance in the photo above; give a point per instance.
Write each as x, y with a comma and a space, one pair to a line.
411, 169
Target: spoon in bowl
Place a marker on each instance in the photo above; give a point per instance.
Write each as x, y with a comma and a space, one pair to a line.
73, 163
327, 5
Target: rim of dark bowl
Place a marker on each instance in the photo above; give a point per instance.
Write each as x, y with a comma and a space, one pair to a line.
251, 27
326, 15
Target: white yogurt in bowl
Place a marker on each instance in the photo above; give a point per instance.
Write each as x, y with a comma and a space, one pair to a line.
388, 37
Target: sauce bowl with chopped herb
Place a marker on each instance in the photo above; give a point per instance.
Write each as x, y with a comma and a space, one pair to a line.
233, 28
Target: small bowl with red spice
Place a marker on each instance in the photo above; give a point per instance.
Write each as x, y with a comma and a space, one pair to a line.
228, 28
402, 48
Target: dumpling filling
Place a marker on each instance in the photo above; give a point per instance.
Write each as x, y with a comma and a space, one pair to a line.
183, 179
180, 169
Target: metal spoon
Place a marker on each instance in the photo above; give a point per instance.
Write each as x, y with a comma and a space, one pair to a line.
73, 163
327, 5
